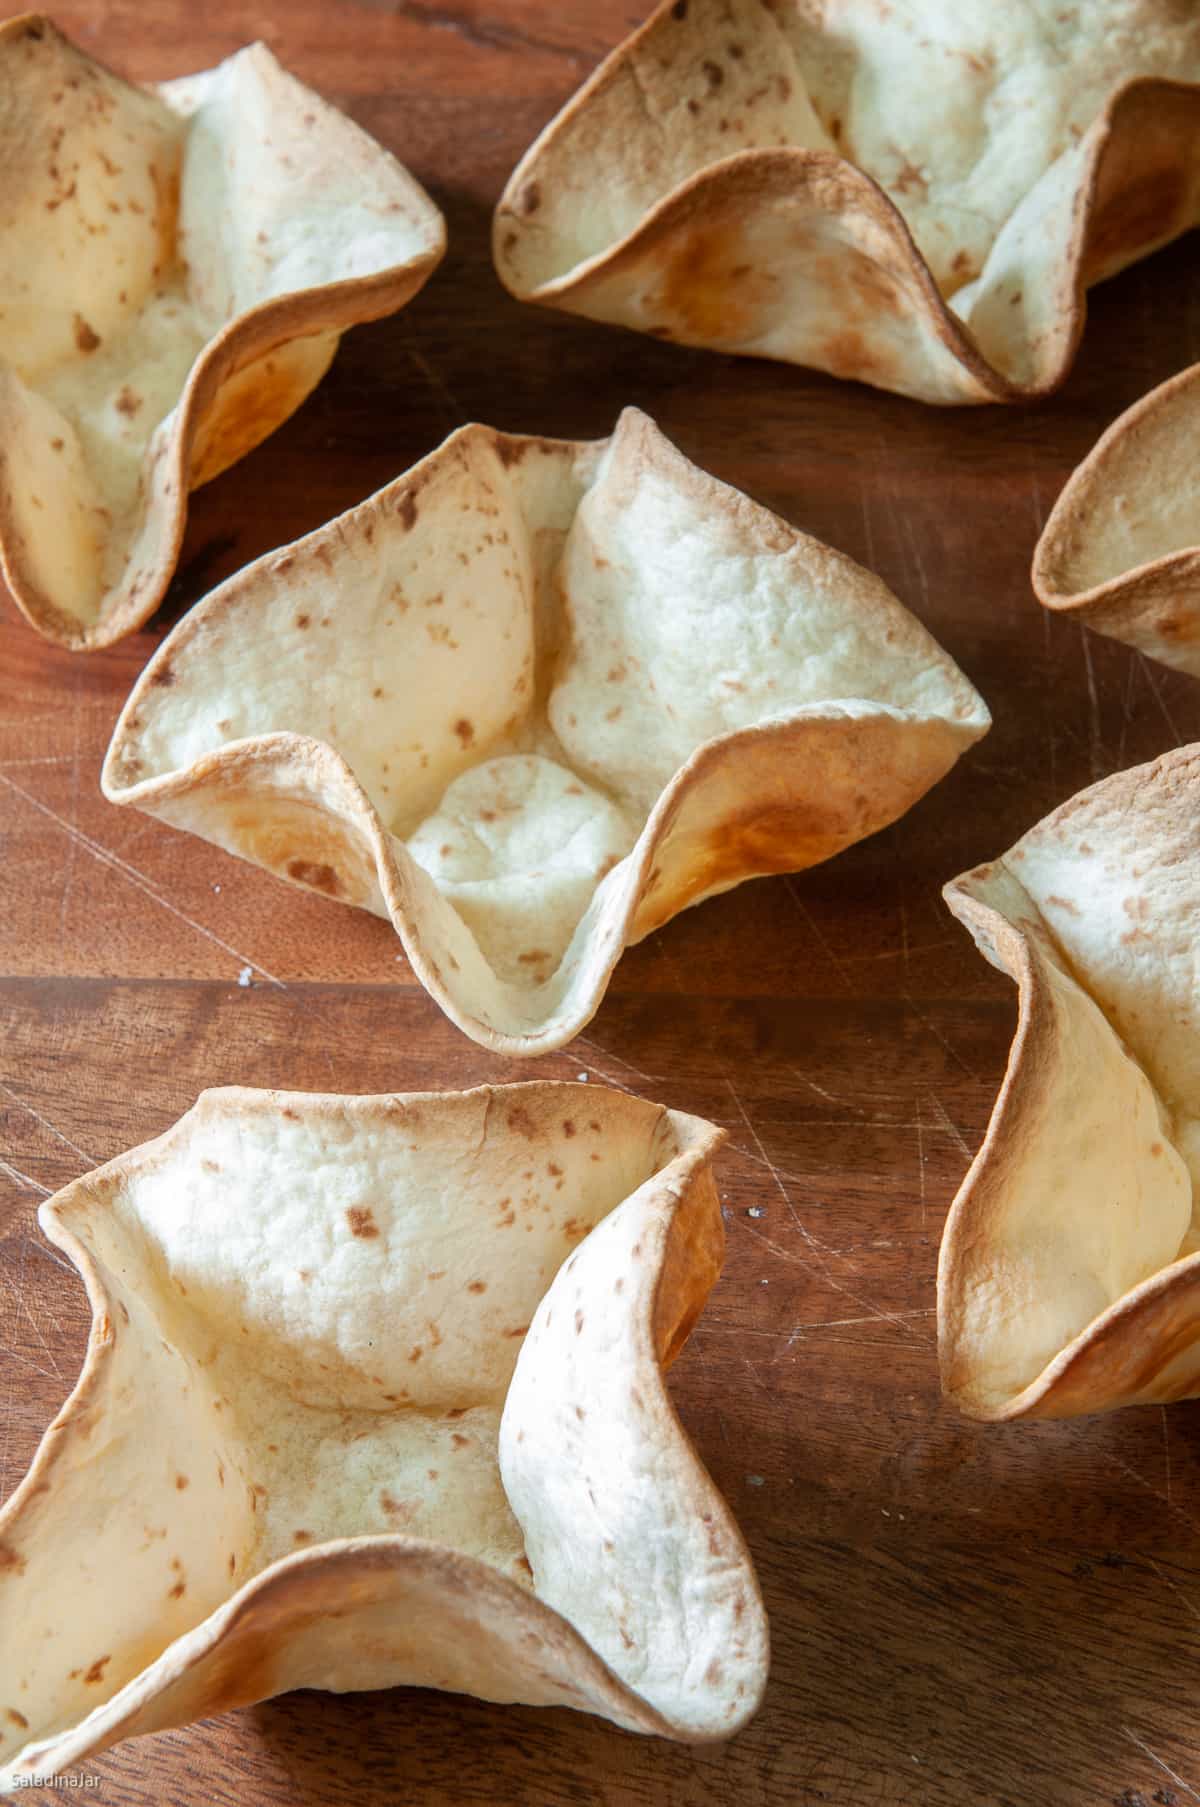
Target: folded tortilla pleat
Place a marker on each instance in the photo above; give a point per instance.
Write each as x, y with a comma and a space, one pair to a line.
374, 1397
176, 267
1069, 1279
533, 699
915, 195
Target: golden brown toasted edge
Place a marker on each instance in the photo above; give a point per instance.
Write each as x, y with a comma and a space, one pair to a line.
1145, 1347
1150, 600
239, 1653
248, 340
1133, 197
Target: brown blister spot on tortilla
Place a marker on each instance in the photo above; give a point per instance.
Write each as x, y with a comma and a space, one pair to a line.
87, 339
847, 354
406, 510
464, 731
458, 1441
96, 1672
362, 1222
578, 1323
11, 1561
713, 73
181, 1482
1182, 626
530, 198
401, 1511
164, 676
477, 1286
17, 1719
128, 402
521, 1121
712, 1674
300, 1537
302, 621
517, 1330
316, 874
708, 291
781, 840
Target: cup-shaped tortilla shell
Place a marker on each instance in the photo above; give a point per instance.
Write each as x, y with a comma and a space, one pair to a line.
916, 196
1121, 549
531, 700
374, 1397
176, 266
1069, 1279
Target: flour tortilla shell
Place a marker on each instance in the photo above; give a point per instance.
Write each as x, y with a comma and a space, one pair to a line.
916, 196
533, 699
1121, 549
176, 266
1069, 1279
374, 1398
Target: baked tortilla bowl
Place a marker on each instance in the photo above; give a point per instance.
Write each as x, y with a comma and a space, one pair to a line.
374, 1397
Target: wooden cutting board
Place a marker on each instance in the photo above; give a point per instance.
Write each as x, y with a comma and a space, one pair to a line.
960, 1614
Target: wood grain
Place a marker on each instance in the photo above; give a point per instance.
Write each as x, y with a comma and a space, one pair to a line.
1003, 1616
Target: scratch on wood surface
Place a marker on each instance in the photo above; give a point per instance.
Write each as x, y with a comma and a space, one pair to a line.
819, 1252
921, 1160
1095, 733
45, 1122
812, 1085
17, 1292
23, 1180
815, 931
919, 562
951, 1128
581, 1041
938, 1037
1165, 1767
1151, 677
890, 953
72, 841
11, 765
44, 1249
798, 1331
1118, 1462
865, 510
132, 876
1166, 1435
439, 386
1174, 1587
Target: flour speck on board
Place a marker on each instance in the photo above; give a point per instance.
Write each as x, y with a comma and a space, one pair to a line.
245, 977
